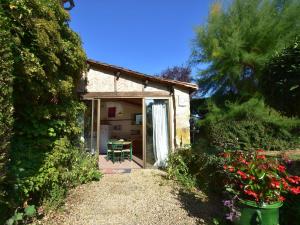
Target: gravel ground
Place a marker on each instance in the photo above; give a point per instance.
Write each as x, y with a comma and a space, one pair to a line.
142, 197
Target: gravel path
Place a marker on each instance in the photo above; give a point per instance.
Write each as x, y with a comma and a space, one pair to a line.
142, 197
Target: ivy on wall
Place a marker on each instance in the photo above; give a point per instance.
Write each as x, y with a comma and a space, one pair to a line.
48, 61
6, 109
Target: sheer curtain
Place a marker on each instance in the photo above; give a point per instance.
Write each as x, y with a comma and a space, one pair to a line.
160, 133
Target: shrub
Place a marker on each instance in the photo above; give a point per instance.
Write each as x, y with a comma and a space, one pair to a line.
47, 64
194, 168
6, 104
250, 125
252, 176
64, 167
280, 84
290, 212
178, 168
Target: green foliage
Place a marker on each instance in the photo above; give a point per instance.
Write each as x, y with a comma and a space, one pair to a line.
290, 212
47, 63
250, 125
6, 103
195, 168
64, 167
22, 217
178, 168
281, 81
239, 39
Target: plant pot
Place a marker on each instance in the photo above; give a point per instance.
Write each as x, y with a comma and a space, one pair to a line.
254, 214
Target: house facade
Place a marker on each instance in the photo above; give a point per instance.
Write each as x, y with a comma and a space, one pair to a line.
151, 112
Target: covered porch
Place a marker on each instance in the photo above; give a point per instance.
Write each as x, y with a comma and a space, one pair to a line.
149, 113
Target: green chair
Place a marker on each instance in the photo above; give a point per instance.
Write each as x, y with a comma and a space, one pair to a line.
126, 152
117, 151
109, 152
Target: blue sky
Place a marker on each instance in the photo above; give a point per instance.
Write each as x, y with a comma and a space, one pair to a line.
143, 35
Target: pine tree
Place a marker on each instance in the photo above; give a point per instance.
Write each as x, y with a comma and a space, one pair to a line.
238, 41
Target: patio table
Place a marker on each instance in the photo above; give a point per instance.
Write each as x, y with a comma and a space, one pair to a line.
124, 143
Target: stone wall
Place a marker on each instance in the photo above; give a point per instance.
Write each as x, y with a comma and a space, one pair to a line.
102, 81
182, 120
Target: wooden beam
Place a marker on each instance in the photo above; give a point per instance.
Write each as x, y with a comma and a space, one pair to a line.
132, 94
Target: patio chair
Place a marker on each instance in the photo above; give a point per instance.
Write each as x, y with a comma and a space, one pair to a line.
117, 152
109, 152
126, 153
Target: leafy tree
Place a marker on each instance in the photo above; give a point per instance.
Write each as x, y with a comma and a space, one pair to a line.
48, 62
281, 81
6, 103
179, 73
239, 39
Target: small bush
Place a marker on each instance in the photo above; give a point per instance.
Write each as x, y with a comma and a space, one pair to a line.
63, 168
193, 168
178, 169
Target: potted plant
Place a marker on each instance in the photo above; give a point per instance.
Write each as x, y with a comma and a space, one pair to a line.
258, 183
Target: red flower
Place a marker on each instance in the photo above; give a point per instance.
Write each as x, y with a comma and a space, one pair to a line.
242, 174
281, 198
281, 168
261, 156
275, 183
251, 193
225, 154
295, 190
285, 184
229, 168
293, 179
252, 177
243, 161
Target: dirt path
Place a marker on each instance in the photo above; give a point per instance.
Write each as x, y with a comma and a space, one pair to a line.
142, 197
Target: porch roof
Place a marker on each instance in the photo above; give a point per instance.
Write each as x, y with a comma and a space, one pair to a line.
115, 69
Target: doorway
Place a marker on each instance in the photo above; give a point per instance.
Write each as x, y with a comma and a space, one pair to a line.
143, 121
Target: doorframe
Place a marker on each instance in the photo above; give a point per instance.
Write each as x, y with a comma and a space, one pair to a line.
144, 130
99, 122
171, 125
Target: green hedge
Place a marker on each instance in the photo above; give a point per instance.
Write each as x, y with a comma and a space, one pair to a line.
6, 109
250, 125
48, 61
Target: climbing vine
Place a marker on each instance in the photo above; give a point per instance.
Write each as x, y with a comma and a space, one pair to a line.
48, 61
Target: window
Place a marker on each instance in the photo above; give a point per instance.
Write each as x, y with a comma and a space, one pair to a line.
111, 112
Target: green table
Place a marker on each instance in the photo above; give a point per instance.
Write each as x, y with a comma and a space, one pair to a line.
124, 143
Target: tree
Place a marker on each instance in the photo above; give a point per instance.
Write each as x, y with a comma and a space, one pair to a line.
239, 39
48, 61
6, 103
180, 73
281, 81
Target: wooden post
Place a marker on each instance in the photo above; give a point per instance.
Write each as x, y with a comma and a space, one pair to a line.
98, 128
144, 133
92, 126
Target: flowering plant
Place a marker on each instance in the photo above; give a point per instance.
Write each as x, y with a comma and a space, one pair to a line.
253, 176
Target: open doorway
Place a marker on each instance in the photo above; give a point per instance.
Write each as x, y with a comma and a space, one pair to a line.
121, 119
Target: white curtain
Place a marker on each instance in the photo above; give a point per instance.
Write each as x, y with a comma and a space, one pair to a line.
160, 133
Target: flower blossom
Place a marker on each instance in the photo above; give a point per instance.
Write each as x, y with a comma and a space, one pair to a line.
242, 174
281, 168
251, 193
